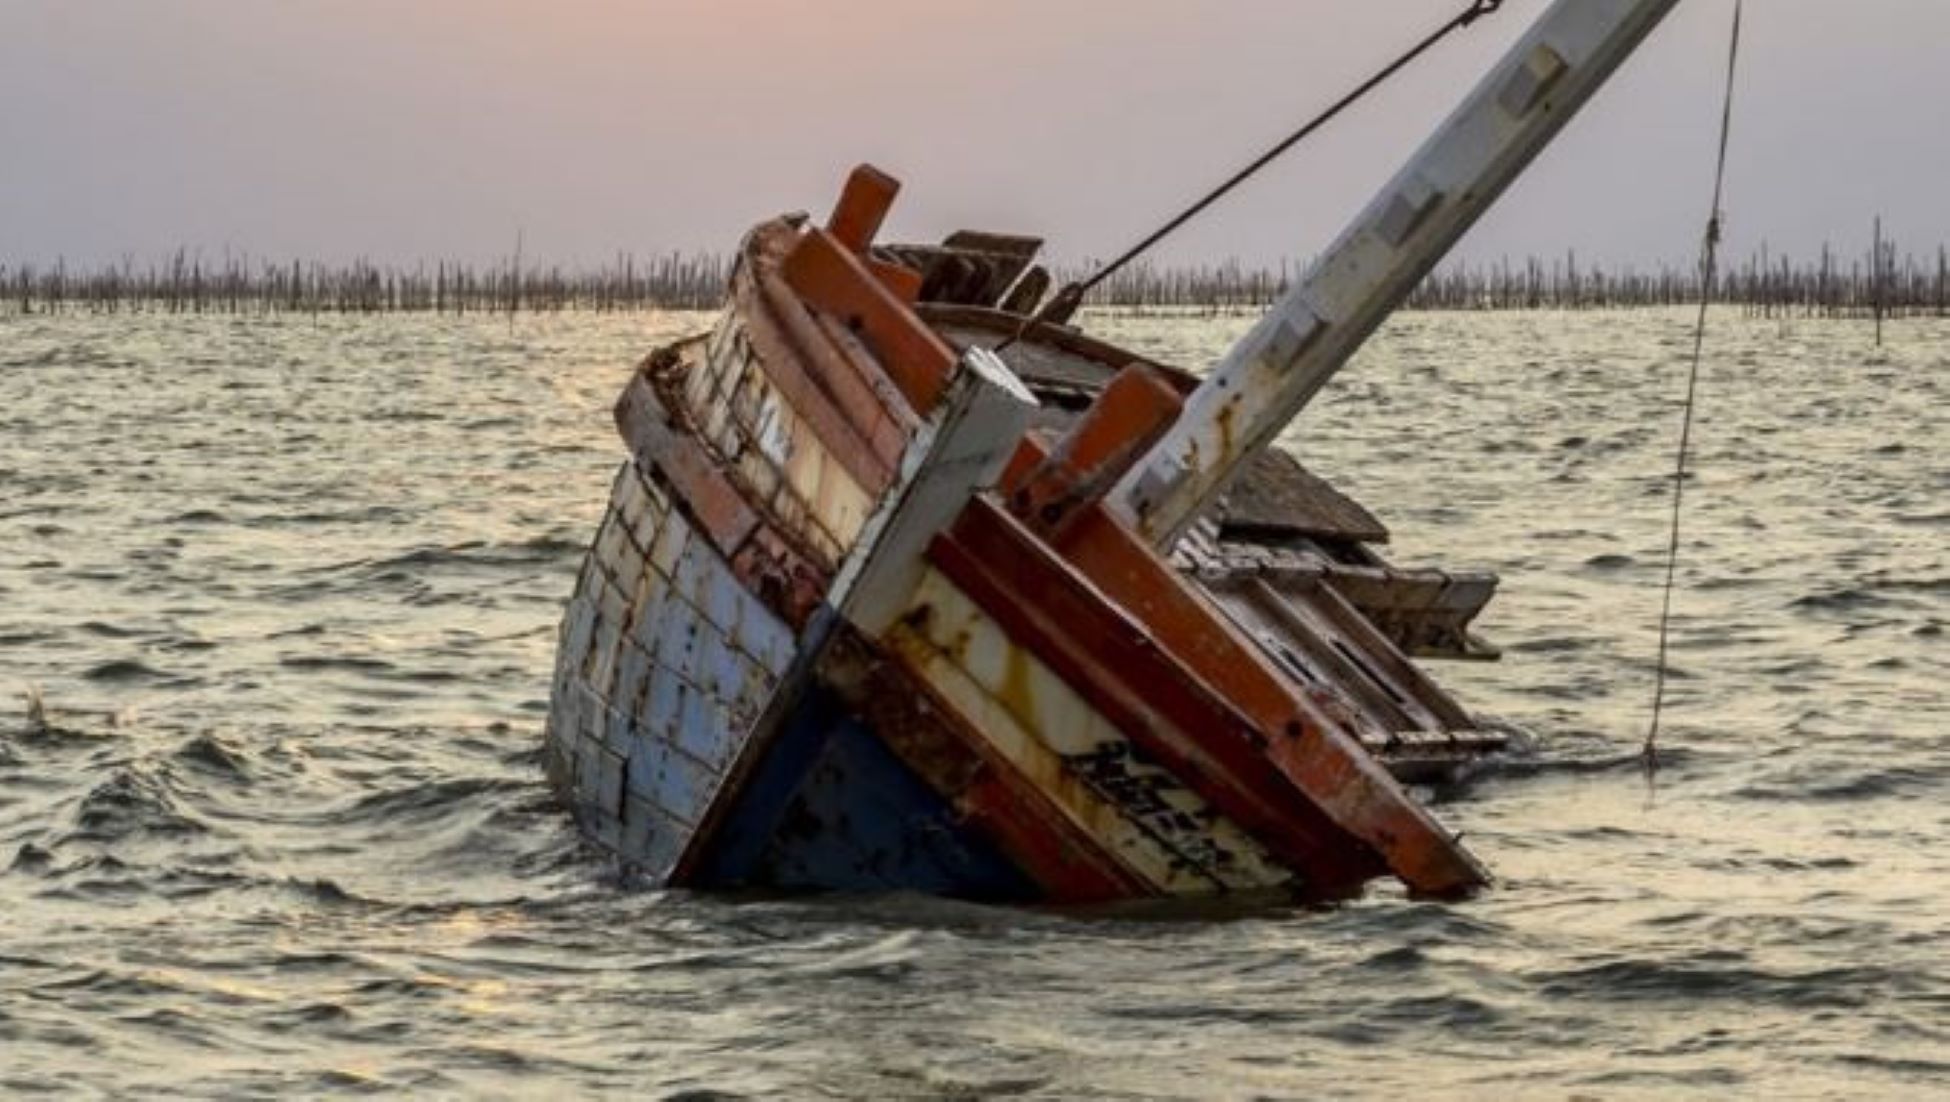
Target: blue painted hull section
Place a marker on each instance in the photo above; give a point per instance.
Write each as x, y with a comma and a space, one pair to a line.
666, 665
665, 662
831, 808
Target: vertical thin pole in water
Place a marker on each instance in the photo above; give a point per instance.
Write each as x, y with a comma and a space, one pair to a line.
514, 282
1709, 267
1942, 275
1877, 277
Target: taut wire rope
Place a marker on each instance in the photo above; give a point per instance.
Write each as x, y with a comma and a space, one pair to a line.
1709, 272
1071, 296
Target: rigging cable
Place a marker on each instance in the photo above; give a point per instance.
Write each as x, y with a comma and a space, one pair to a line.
1709, 270
1071, 296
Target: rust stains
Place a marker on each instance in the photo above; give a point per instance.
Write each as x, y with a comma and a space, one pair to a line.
773, 566
1132, 413
992, 795
1327, 764
1129, 632
1061, 617
1018, 690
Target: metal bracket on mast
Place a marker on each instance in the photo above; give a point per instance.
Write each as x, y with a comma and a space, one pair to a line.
1277, 368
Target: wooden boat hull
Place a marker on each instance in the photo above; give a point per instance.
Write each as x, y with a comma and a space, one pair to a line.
855, 620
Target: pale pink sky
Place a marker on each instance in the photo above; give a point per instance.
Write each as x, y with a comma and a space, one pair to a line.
401, 129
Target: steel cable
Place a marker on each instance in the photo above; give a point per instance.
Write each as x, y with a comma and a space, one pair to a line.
1709, 272
1071, 296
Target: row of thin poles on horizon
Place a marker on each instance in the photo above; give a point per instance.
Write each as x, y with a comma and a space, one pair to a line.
187, 284
1883, 283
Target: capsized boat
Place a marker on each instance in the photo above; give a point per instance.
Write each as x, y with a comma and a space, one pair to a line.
909, 584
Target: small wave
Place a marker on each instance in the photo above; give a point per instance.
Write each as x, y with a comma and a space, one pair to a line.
409, 416
329, 662
429, 556
1647, 980
1906, 584
313, 1014
110, 631
321, 960
1902, 1065
551, 546
182, 884
368, 515
130, 804
431, 677
541, 550
1459, 1012
328, 892
125, 669
1878, 785
1839, 600
107, 981
211, 754
176, 1026
1401, 958
1561, 644
417, 801
31, 858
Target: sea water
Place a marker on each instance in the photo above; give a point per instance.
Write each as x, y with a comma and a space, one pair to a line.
278, 602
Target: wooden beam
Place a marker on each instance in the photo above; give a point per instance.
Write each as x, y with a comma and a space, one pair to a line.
831, 278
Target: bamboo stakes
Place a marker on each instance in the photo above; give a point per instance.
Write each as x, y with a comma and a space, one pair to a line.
1880, 260
186, 283
1885, 284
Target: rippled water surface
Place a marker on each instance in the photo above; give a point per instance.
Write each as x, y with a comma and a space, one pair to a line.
290, 591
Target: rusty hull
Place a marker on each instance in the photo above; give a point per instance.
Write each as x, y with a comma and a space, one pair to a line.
1054, 710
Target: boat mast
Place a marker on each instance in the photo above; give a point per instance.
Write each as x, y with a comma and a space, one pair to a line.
1272, 373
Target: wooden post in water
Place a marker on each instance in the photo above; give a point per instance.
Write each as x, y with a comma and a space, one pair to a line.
514, 283
1875, 278
1942, 277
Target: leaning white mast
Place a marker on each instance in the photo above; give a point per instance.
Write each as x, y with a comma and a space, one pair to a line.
1272, 373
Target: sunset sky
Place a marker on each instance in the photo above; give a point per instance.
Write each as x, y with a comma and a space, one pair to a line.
399, 130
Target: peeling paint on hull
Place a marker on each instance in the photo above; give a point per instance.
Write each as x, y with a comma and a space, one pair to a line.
813, 647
